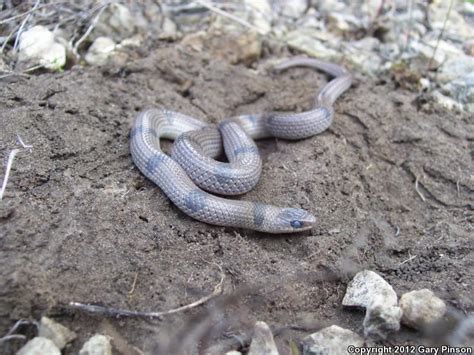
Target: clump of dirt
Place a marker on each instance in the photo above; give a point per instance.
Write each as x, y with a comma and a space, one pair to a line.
389, 182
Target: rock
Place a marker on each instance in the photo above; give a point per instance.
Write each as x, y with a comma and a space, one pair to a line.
455, 68
310, 20
132, 42
100, 51
97, 345
462, 91
169, 30
233, 352
367, 287
424, 84
262, 341
39, 346
458, 28
331, 341
424, 52
38, 47
449, 50
421, 308
292, 8
371, 291
342, 23
117, 22
362, 55
189, 16
227, 44
389, 51
259, 13
468, 9
3, 65
307, 43
330, 6
381, 319
445, 101
468, 47
56, 332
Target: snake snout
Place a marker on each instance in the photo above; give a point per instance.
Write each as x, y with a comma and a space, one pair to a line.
296, 219
305, 222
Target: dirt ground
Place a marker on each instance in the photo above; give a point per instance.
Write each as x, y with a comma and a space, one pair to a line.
80, 223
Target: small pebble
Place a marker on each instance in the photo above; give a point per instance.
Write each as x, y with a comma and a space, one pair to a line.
39, 346
262, 341
97, 345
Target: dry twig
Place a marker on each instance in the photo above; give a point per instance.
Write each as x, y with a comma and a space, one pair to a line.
89, 30
417, 188
408, 260
11, 336
114, 312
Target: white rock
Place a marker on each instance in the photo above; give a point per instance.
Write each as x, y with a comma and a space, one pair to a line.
120, 18
468, 47
312, 46
468, 8
455, 68
233, 352
331, 6
424, 84
37, 46
367, 287
341, 22
99, 51
262, 341
169, 30
39, 346
457, 24
420, 308
427, 54
292, 8
450, 51
97, 345
389, 51
362, 55
371, 291
131, 42
56, 332
332, 340
445, 101
259, 14
461, 90
116, 22
381, 319
37, 39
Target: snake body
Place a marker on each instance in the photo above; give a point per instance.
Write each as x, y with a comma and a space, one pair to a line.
193, 168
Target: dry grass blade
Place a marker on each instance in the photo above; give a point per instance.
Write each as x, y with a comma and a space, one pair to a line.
102, 8
441, 33
11, 157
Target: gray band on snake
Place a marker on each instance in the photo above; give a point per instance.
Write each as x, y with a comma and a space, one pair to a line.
198, 143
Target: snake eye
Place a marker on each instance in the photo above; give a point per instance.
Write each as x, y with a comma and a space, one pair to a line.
296, 224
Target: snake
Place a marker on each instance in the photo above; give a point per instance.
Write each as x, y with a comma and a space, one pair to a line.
192, 176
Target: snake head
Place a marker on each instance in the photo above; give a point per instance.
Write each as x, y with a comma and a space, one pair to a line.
292, 220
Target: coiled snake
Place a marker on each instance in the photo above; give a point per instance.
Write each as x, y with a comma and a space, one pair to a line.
191, 169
